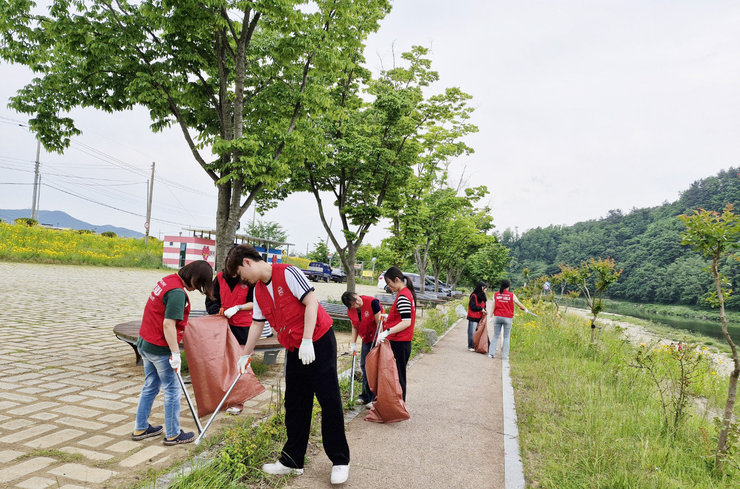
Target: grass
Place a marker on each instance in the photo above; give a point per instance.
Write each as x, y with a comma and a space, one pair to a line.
20, 243
589, 418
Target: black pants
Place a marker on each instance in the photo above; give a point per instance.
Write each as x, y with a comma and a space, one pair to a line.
301, 383
402, 352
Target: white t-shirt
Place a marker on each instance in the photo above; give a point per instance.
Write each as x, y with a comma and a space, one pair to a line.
297, 283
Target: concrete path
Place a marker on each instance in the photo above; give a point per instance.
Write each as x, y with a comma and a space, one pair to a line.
454, 439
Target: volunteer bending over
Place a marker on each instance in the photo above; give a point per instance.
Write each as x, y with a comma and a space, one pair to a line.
233, 298
283, 296
364, 314
399, 326
162, 327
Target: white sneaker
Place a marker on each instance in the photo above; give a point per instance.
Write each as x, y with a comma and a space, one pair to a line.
279, 469
369, 405
234, 410
471, 349
339, 474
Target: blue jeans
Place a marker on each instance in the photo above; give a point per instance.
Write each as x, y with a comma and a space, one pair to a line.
498, 323
158, 372
367, 394
472, 326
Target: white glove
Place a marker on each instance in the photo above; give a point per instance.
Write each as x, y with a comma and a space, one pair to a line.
353, 348
383, 335
305, 352
243, 363
175, 362
231, 311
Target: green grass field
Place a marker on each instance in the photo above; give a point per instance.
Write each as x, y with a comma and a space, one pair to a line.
588, 417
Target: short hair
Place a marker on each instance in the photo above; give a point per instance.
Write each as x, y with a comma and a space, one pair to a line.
236, 256
348, 298
198, 275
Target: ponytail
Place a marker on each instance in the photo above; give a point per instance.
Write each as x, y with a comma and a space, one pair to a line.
505, 284
394, 273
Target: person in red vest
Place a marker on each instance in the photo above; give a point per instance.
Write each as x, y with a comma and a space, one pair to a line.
503, 318
162, 327
233, 298
399, 326
364, 313
476, 310
284, 297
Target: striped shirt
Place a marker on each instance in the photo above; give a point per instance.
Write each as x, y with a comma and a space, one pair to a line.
403, 304
297, 283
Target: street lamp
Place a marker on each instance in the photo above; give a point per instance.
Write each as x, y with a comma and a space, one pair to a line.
374, 259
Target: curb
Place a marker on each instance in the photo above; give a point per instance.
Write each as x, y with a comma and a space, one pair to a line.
513, 469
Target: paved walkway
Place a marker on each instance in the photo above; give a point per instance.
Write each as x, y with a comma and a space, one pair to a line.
69, 388
454, 439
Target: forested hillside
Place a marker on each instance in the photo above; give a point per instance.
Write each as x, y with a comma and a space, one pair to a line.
645, 242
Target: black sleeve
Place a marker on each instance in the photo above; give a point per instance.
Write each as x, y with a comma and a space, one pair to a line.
375, 304
213, 306
473, 303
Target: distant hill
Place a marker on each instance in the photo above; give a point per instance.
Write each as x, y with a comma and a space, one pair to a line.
645, 242
61, 219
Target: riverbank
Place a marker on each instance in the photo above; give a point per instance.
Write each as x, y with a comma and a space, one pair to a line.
589, 416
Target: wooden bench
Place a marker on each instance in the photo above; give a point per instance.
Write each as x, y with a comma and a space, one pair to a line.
129, 333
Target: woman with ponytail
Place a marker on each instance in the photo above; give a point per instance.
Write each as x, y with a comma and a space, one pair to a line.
503, 317
476, 311
399, 326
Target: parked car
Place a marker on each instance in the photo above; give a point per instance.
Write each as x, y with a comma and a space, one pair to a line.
338, 275
318, 271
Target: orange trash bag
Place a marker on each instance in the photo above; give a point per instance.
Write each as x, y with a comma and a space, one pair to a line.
382, 377
212, 353
480, 337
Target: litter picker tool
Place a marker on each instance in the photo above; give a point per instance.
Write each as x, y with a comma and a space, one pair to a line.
213, 416
190, 403
352, 378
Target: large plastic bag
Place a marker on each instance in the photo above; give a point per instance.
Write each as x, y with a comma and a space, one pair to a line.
382, 377
212, 353
480, 337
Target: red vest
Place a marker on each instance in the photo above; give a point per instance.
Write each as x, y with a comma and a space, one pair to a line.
503, 305
366, 326
152, 329
234, 297
285, 312
394, 317
475, 314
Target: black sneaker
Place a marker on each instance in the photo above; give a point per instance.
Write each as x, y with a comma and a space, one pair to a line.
183, 437
149, 432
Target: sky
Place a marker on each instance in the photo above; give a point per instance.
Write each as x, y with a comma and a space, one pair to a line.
582, 107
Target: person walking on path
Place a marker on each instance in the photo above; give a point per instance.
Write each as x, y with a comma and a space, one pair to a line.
364, 313
284, 297
503, 318
162, 327
476, 310
399, 326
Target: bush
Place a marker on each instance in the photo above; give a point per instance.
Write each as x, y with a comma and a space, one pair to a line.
27, 221
109, 234
85, 231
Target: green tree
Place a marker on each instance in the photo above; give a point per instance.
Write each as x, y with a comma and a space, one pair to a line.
268, 230
366, 150
237, 77
320, 252
714, 235
592, 278
488, 264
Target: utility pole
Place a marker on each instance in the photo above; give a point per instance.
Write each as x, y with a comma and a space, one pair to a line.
150, 191
36, 182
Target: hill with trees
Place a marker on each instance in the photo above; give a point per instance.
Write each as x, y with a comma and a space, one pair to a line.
646, 243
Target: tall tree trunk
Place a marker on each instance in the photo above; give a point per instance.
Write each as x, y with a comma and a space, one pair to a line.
732, 389
349, 257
